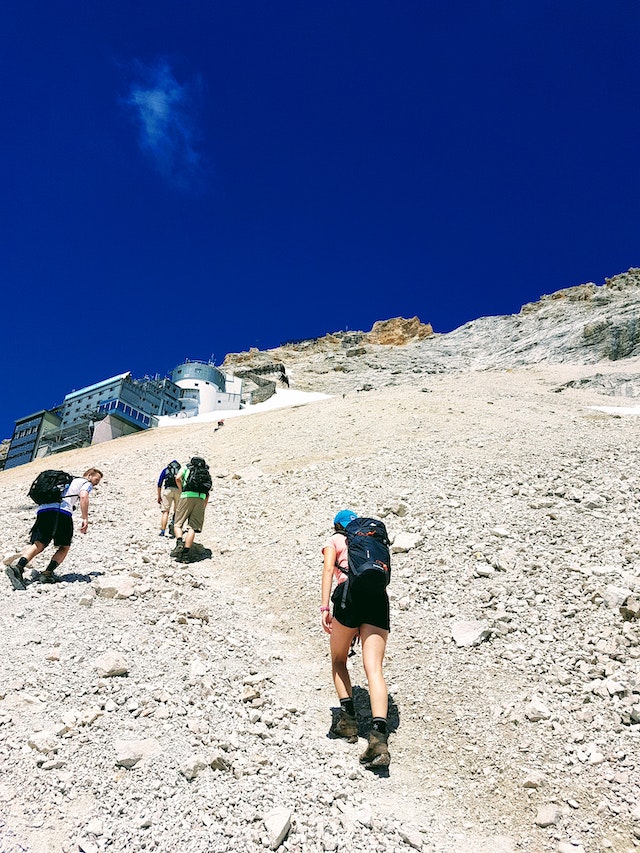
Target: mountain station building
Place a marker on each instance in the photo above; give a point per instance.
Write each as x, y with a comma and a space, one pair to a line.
122, 405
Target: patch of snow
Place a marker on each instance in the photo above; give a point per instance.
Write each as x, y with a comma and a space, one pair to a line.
283, 398
618, 410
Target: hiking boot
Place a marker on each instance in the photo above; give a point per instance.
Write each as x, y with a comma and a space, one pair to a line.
48, 577
377, 752
187, 558
346, 726
14, 573
177, 551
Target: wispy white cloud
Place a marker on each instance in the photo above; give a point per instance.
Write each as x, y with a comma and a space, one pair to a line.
165, 114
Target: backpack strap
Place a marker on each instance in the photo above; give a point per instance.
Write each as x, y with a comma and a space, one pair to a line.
75, 494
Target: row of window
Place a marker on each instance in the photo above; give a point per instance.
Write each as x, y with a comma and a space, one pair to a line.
22, 432
126, 409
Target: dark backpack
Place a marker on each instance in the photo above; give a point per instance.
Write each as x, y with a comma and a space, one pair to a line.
369, 568
48, 486
198, 476
172, 471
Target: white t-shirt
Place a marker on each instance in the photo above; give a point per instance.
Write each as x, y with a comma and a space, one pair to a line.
70, 496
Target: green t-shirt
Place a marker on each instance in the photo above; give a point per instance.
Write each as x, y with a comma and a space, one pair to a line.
184, 473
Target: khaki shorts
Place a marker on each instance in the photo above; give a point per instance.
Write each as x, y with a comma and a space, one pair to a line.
190, 510
170, 498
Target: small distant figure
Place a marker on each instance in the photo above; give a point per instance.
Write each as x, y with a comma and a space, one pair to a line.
54, 521
219, 425
194, 482
285, 379
168, 493
357, 557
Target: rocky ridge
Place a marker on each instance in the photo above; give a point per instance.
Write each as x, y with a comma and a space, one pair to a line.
580, 325
146, 705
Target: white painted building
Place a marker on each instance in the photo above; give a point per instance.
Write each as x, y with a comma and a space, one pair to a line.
205, 388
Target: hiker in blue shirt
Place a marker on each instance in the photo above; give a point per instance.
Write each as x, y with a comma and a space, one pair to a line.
168, 493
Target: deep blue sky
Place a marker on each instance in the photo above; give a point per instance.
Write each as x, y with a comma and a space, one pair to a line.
187, 179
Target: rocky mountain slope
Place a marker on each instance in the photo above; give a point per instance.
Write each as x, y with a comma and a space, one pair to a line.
586, 324
150, 706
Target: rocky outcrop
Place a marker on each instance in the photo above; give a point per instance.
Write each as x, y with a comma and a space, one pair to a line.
398, 331
579, 325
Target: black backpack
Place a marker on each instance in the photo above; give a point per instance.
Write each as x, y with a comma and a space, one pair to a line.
198, 476
48, 486
172, 471
369, 568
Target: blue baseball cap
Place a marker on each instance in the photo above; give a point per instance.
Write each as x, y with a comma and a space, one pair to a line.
344, 517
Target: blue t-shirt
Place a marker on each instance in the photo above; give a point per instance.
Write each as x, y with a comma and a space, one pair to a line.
163, 476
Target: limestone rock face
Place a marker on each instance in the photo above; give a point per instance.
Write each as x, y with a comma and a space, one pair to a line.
398, 331
583, 324
586, 324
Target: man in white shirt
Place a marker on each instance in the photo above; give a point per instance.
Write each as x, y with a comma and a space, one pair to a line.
54, 521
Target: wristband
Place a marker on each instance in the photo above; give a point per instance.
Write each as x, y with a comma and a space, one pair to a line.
324, 610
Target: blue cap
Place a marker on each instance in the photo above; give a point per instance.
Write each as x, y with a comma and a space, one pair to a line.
344, 517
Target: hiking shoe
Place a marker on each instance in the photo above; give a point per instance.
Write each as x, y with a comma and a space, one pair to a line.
377, 752
48, 577
177, 551
15, 576
346, 726
187, 558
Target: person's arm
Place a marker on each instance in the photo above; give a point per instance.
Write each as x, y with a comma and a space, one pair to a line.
84, 510
179, 483
329, 554
160, 482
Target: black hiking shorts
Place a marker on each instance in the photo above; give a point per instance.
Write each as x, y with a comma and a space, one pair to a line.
51, 524
370, 610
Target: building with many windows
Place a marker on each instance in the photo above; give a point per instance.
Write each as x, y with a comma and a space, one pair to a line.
121, 405
28, 435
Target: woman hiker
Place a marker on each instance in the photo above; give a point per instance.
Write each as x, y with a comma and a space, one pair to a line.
368, 616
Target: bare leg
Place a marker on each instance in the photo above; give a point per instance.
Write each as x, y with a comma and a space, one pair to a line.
164, 519
61, 553
339, 645
32, 551
189, 537
374, 642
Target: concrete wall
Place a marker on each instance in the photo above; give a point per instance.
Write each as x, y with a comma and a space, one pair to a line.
110, 428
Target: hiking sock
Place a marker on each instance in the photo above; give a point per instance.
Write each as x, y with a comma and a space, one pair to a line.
379, 725
347, 706
52, 566
22, 562
162, 533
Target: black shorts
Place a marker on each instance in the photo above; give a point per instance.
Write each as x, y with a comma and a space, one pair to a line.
372, 610
51, 524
